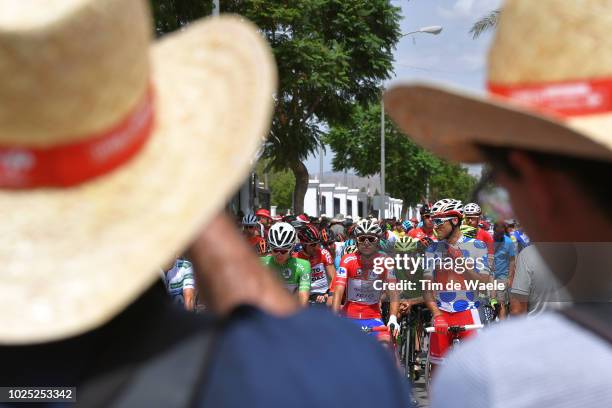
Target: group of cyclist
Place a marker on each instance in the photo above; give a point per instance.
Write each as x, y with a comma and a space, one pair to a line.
343, 265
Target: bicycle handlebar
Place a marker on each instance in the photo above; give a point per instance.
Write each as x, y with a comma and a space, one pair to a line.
379, 329
457, 328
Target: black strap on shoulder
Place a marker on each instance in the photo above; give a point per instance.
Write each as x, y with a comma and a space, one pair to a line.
594, 318
172, 378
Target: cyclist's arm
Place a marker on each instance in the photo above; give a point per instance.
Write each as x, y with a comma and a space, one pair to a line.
339, 287
329, 266
429, 296
331, 272
393, 295
189, 297
430, 302
304, 285
303, 298
511, 269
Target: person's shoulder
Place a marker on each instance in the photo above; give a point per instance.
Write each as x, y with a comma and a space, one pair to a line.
300, 263
348, 259
263, 349
301, 255
266, 260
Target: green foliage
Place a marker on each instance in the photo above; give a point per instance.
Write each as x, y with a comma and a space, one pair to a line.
170, 15
330, 54
486, 23
280, 183
407, 166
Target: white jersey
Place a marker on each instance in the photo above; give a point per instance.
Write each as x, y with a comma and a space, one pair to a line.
178, 278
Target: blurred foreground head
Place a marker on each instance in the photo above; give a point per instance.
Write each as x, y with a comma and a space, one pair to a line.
111, 147
546, 126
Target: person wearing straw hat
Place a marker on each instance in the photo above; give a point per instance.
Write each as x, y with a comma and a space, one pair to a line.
95, 121
546, 131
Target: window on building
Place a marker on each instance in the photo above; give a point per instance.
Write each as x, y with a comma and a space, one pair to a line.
349, 207
336, 206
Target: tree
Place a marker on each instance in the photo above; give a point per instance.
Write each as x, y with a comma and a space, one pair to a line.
408, 167
170, 15
280, 183
332, 55
486, 23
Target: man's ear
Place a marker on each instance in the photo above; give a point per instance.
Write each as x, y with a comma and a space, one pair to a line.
534, 179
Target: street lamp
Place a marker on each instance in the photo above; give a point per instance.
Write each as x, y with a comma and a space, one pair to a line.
434, 30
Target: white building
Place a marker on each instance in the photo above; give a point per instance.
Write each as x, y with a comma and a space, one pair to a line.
330, 199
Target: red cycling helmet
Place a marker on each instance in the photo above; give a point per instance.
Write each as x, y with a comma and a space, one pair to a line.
309, 234
262, 212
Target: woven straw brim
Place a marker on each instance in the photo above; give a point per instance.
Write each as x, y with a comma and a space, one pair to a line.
74, 258
452, 123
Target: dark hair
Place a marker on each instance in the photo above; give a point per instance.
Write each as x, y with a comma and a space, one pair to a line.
587, 173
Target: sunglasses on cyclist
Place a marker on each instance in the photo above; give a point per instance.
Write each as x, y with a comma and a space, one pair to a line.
310, 244
368, 238
439, 221
280, 251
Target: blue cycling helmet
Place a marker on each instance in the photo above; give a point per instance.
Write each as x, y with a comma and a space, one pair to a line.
407, 226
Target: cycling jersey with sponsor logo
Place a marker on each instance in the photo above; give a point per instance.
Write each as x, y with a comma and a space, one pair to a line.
419, 233
485, 237
295, 274
178, 278
362, 292
318, 272
440, 267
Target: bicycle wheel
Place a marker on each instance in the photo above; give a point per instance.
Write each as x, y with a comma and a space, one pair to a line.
411, 353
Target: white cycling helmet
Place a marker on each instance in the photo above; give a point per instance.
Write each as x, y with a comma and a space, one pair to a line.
281, 235
249, 220
472, 209
447, 207
367, 227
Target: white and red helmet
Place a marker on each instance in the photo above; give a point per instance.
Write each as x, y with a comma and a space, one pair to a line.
447, 207
472, 209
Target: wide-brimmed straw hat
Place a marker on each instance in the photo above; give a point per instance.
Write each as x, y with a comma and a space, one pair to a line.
114, 151
550, 88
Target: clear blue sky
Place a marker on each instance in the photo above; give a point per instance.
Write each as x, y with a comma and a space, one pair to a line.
452, 57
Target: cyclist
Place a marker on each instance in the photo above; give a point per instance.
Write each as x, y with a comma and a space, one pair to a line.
264, 219
504, 265
252, 230
445, 263
519, 239
322, 269
427, 230
364, 281
472, 217
262, 248
294, 272
180, 284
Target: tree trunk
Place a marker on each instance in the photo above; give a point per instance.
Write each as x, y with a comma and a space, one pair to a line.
301, 186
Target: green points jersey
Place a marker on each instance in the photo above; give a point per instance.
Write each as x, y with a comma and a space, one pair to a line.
295, 274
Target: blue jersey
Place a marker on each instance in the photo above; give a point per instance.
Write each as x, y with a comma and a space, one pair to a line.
439, 267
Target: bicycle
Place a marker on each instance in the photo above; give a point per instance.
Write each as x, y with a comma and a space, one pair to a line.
384, 329
412, 341
455, 340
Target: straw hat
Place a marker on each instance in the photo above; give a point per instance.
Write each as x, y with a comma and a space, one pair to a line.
114, 152
550, 85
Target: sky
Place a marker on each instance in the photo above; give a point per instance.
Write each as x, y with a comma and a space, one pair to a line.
451, 58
